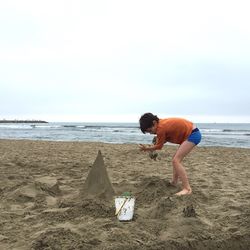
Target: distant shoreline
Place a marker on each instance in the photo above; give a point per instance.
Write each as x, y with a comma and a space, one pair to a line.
22, 121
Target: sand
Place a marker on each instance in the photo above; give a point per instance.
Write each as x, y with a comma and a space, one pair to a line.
45, 201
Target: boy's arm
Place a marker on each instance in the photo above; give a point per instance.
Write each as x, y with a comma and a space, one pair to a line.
158, 142
147, 148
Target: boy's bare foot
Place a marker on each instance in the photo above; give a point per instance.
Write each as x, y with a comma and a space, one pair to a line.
184, 192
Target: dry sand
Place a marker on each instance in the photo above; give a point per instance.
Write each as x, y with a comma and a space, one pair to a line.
44, 203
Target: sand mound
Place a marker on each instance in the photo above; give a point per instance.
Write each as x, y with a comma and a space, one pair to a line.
152, 189
97, 184
48, 184
59, 238
45, 185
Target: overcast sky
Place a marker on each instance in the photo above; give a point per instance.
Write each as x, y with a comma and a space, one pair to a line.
115, 60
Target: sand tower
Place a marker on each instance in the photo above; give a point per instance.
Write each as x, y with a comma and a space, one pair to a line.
97, 183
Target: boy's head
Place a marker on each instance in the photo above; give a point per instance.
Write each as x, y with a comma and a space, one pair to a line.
148, 123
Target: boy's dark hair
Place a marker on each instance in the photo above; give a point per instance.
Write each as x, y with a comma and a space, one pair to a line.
146, 121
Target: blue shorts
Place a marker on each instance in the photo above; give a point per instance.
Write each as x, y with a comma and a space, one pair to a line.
195, 136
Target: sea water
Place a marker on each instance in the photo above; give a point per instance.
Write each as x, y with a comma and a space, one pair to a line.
213, 134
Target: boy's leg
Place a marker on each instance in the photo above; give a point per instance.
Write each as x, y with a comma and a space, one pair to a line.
175, 177
181, 152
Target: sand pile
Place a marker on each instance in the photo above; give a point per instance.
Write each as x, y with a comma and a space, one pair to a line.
97, 184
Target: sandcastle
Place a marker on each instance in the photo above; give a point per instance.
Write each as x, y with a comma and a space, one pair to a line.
97, 184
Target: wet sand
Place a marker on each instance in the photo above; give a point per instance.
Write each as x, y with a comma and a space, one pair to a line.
45, 202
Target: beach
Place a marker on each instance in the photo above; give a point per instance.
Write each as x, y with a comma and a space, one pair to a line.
45, 204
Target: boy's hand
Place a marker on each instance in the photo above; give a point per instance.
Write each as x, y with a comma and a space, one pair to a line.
146, 148
142, 147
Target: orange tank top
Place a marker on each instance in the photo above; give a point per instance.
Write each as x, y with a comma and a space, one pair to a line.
174, 130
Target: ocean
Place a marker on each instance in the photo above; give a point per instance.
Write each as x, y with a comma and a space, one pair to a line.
213, 134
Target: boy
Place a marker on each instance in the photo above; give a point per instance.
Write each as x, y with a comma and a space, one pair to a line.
174, 130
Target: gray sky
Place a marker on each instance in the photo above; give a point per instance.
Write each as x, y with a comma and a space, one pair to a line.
114, 60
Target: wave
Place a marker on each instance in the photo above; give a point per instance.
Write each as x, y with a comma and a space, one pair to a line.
109, 126
15, 126
235, 130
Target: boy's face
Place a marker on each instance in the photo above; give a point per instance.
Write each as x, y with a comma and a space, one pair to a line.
153, 129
